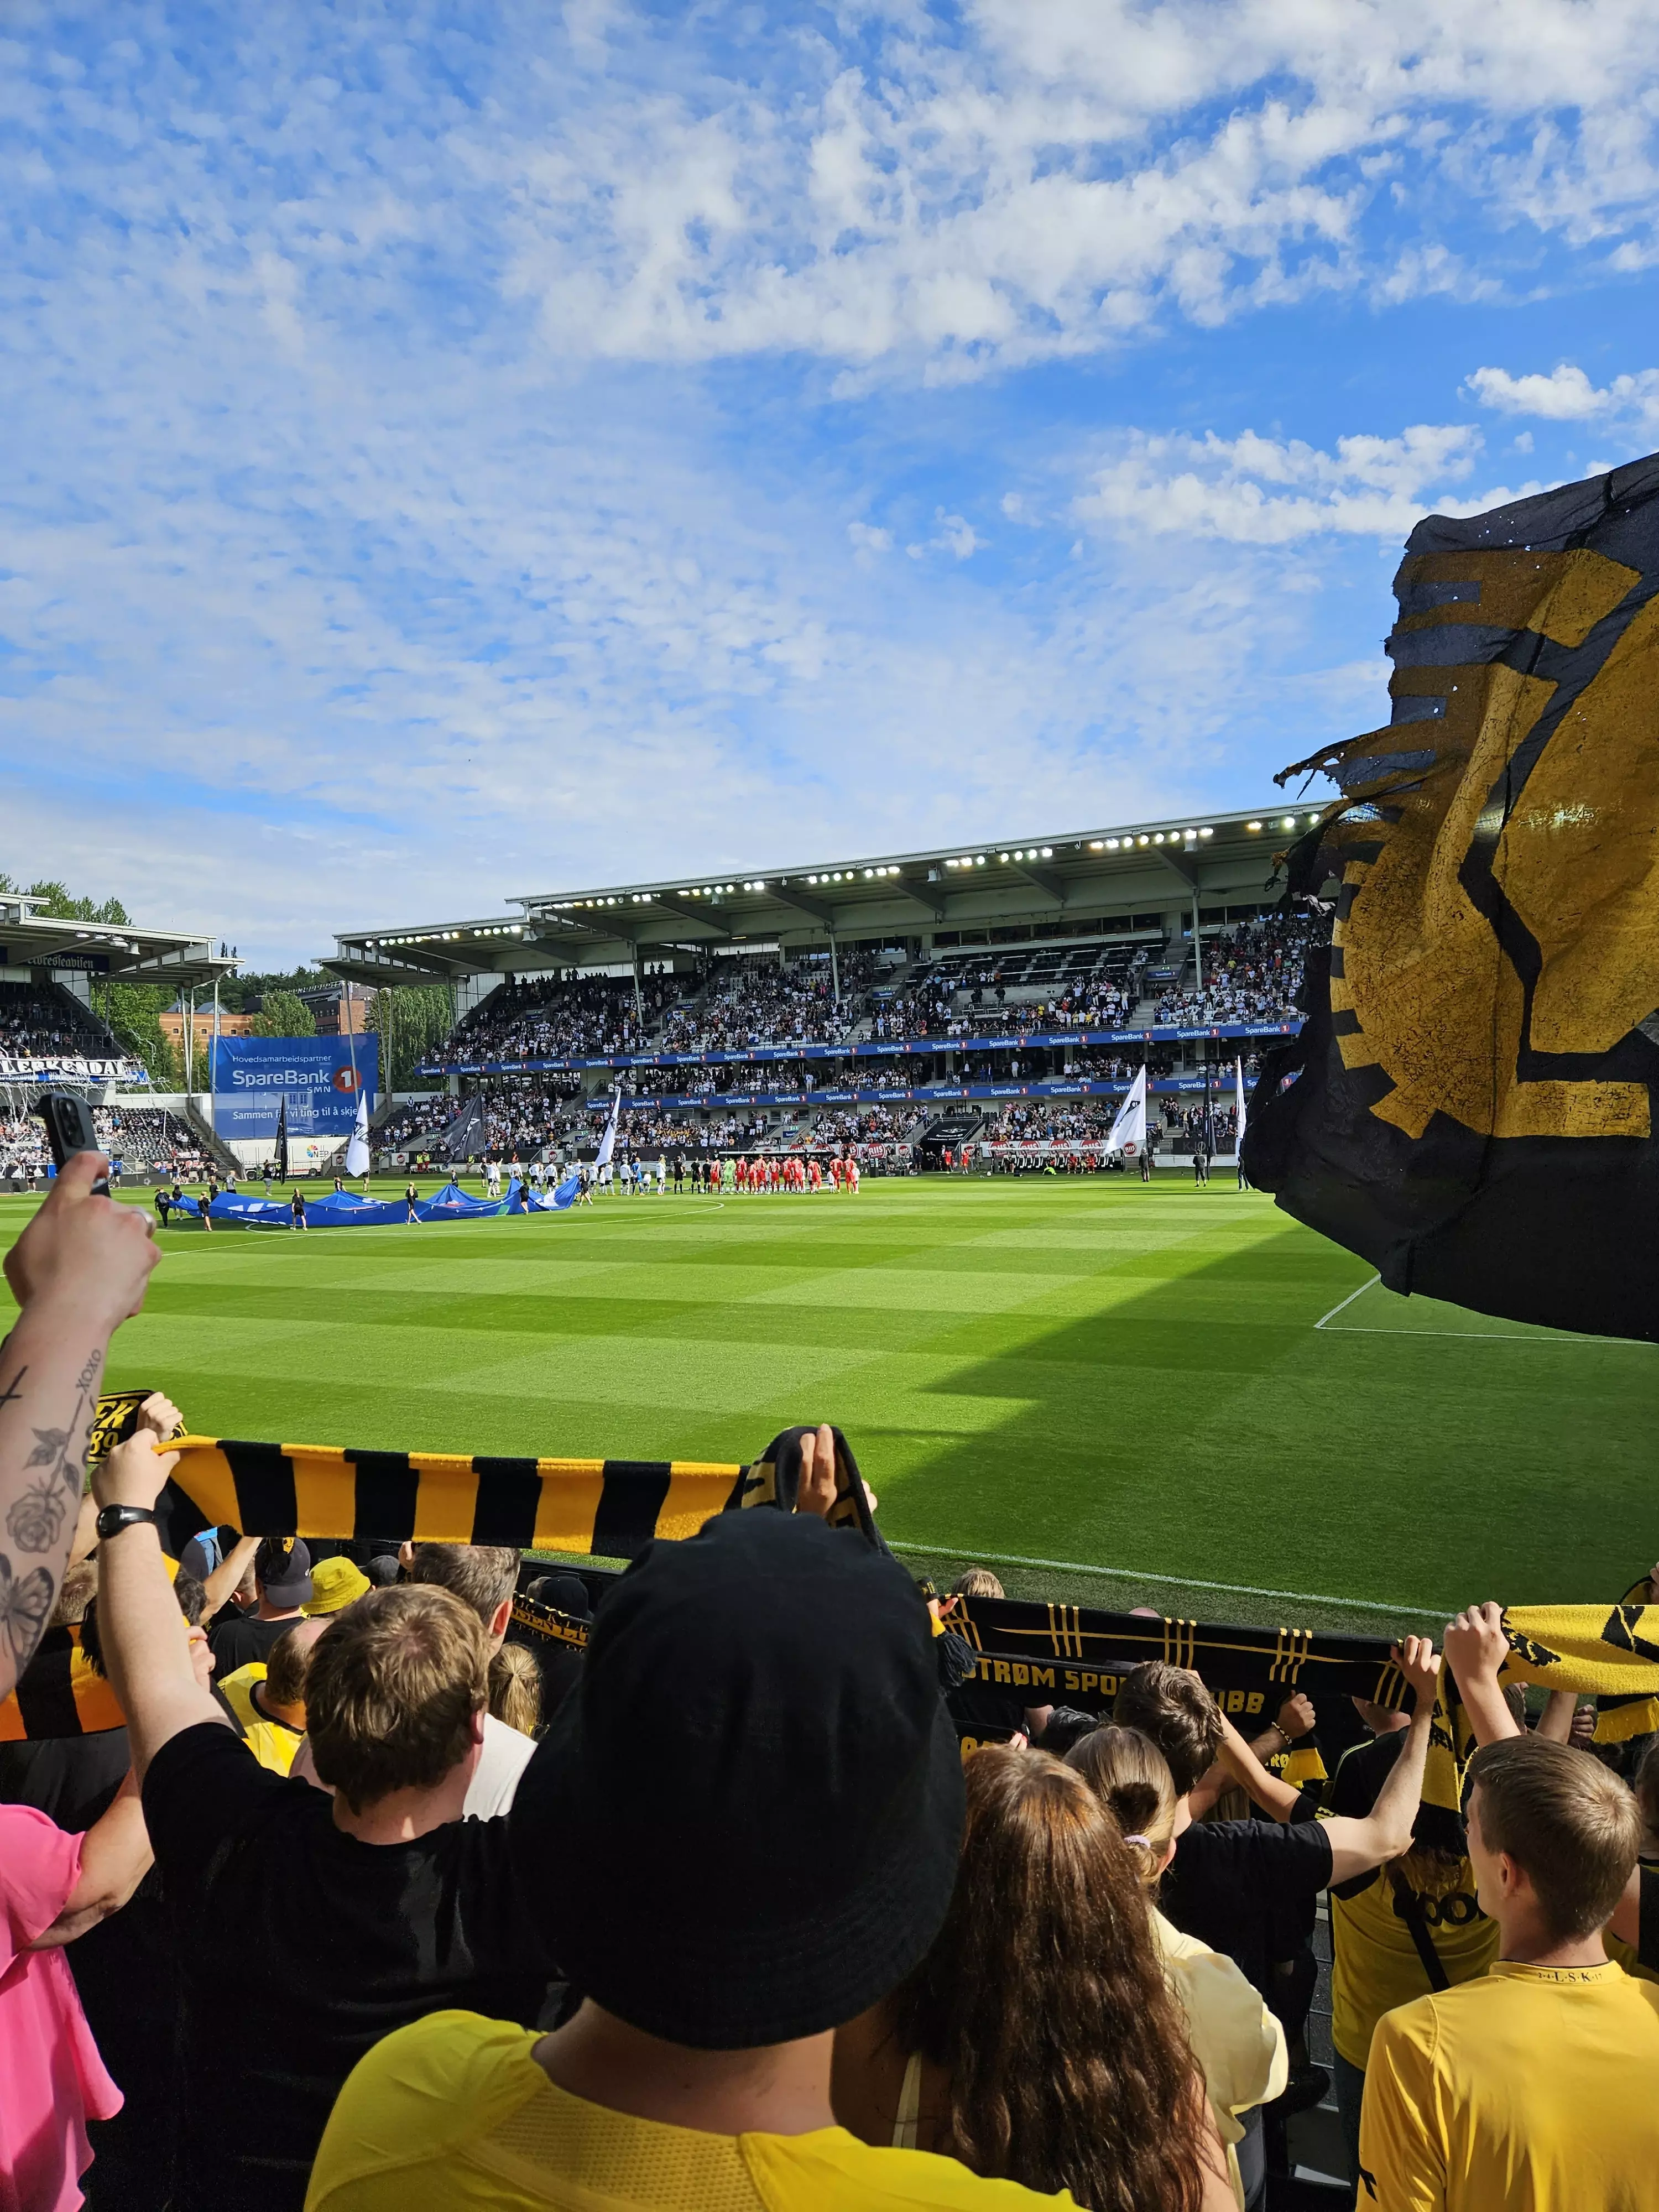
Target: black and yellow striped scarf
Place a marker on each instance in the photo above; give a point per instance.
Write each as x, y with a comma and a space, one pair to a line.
61, 1693
609, 1508
548, 1624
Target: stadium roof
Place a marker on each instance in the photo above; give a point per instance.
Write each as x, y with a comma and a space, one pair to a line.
1148, 867
178, 959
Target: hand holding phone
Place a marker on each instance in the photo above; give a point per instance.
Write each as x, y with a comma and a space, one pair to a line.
70, 1129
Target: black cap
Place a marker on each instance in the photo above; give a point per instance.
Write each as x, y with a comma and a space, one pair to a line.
281, 1567
744, 1826
567, 1592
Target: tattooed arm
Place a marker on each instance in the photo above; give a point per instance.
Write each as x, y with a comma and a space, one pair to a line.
77, 1271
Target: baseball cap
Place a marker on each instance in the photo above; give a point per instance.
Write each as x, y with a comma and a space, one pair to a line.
743, 1827
281, 1567
335, 1584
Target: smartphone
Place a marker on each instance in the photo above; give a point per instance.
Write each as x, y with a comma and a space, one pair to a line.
70, 1129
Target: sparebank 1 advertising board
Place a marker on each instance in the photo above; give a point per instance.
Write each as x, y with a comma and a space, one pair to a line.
318, 1075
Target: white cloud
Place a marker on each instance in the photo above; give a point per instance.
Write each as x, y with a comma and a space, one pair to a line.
956, 536
1056, 178
1566, 395
1263, 491
867, 539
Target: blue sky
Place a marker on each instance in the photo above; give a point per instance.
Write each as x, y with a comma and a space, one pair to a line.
451, 452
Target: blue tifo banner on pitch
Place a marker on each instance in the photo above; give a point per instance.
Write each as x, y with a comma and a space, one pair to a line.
254, 1076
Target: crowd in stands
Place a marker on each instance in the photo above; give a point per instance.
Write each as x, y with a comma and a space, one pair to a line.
757, 1002
1252, 973
1052, 1122
144, 1139
547, 1018
362, 1909
40, 1020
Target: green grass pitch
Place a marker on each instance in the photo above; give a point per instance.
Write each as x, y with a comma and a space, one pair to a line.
1127, 1383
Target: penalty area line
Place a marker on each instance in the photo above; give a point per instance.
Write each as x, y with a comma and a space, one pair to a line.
1172, 1581
1347, 1302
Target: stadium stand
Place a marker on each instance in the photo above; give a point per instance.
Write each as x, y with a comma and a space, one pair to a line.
784, 1011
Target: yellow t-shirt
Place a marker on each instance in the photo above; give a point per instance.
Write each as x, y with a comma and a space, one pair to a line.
1532, 2089
1238, 2044
272, 1743
453, 2115
1374, 1961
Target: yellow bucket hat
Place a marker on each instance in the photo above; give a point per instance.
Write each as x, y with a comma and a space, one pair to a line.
335, 1584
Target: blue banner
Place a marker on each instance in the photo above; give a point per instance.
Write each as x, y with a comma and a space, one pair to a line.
1164, 1034
319, 1076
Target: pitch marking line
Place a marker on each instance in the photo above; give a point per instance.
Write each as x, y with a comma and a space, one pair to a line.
1173, 1582
1462, 1336
1347, 1302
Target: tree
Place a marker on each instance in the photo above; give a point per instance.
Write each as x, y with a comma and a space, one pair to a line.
284, 1015
410, 1021
62, 904
133, 1012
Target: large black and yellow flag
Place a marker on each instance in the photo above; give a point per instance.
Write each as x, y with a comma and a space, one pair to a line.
1470, 1104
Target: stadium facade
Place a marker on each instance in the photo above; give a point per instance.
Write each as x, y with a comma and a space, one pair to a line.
1146, 881
945, 986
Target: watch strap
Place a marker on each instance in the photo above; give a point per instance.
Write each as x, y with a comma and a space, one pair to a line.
114, 1518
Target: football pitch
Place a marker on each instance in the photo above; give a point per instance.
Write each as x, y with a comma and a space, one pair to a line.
1118, 1394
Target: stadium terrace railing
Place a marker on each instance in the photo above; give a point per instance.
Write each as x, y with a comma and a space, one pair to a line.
1092, 1039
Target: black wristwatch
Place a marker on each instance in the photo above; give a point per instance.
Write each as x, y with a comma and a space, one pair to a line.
114, 1518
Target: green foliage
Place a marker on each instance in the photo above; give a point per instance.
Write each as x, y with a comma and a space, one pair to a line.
284, 1015
410, 1021
133, 1012
238, 993
62, 904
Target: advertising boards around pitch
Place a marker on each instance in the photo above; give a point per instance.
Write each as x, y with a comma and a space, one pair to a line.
317, 1076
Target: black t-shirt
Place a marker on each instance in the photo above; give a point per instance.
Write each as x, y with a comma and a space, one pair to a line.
243, 1638
329, 1944
1231, 1883
72, 1779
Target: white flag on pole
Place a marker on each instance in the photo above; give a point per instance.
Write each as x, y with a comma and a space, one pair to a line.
1129, 1130
608, 1142
356, 1160
1238, 1135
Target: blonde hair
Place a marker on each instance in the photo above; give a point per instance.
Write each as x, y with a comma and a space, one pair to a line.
515, 1688
977, 1582
1131, 1777
391, 1690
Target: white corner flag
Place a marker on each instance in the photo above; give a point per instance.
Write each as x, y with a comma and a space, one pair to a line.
607, 1141
356, 1159
1239, 1133
1129, 1130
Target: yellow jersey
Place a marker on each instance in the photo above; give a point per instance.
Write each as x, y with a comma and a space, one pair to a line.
273, 1743
1374, 1961
453, 2115
1531, 2089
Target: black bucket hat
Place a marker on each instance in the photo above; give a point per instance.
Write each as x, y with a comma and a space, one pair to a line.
743, 1828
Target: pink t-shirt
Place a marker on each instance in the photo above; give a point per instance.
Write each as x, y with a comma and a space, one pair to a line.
55, 2081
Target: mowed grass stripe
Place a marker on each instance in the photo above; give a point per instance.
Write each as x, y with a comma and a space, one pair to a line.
1082, 1371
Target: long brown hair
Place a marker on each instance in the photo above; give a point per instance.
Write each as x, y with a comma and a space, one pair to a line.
1044, 2003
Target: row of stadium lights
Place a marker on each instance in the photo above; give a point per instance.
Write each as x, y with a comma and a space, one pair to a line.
448, 936
843, 875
